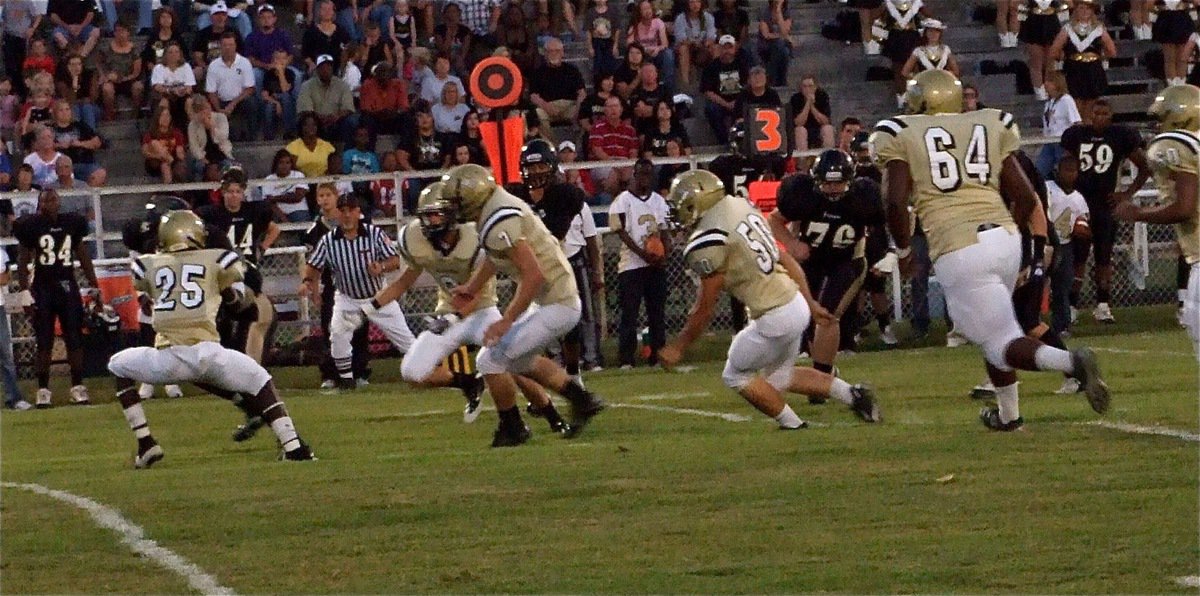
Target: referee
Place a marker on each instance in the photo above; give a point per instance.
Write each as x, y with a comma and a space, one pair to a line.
357, 255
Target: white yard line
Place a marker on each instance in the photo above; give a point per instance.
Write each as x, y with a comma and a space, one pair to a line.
705, 413
1190, 581
1146, 430
671, 396
133, 536
1144, 352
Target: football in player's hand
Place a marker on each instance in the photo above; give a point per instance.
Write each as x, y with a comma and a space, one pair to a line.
1081, 230
654, 247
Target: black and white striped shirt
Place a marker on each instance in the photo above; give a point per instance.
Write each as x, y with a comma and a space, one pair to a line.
348, 259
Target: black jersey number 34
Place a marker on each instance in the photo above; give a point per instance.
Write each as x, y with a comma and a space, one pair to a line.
52, 254
945, 170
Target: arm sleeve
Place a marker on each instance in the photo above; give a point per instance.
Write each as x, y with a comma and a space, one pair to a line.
383, 244
319, 257
588, 221
618, 208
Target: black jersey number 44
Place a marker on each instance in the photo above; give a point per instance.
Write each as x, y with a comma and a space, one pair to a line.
244, 229
53, 243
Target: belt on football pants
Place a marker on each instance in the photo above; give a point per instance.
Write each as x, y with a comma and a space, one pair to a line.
987, 226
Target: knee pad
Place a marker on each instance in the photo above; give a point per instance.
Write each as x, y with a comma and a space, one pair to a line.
735, 379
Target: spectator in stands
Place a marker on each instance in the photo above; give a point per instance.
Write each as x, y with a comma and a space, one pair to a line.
373, 49
578, 178
448, 113
473, 139
613, 139
229, 83
122, 68
667, 172
208, 137
431, 87
21, 22
452, 38
401, 28
1059, 114
602, 25
43, 156
666, 128
163, 148
847, 131
1083, 66
971, 101
758, 93
424, 150
482, 17
164, 33
731, 19
118, 11
650, 31
6, 169
516, 34
330, 98
311, 152
288, 199
629, 74
1038, 30
10, 105
1172, 28
173, 82
812, 115
345, 12
38, 59
79, 142
264, 42
384, 100
592, 108
721, 84
899, 33
695, 39
13, 399
932, 54
324, 37
37, 111
361, 159
236, 12
636, 215
775, 40
278, 97
1190, 52
22, 182
350, 72
73, 24
556, 87
206, 45
81, 87
73, 192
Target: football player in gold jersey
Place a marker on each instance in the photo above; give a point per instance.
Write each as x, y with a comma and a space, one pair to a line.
732, 249
1174, 156
516, 242
954, 166
187, 284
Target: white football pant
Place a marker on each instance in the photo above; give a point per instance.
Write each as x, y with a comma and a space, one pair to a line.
206, 362
348, 316
431, 348
769, 345
1191, 307
978, 282
536, 330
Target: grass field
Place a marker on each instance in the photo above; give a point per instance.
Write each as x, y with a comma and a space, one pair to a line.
406, 498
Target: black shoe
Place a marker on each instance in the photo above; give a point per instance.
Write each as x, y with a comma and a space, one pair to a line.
582, 413
344, 384
301, 453
533, 411
864, 405
246, 431
148, 457
510, 436
560, 426
1087, 372
990, 417
817, 400
474, 395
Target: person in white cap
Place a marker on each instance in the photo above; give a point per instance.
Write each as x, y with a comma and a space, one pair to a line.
721, 83
206, 45
331, 99
234, 10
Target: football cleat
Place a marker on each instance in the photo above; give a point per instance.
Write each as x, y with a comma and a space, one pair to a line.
301, 453
1103, 314
149, 457
328, 384
510, 436
864, 404
146, 391
174, 392
43, 399
990, 417
581, 414
20, 405
361, 383
1070, 386
559, 427
245, 432
888, 336
955, 339
984, 390
474, 395
803, 425
1087, 371
80, 397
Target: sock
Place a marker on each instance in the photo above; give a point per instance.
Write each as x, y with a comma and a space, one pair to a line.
572, 369
822, 367
285, 431
575, 393
1181, 296
1048, 358
788, 419
884, 321
1103, 295
550, 413
1006, 398
841, 391
344, 366
576, 378
76, 378
510, 417
462, 381
43, 380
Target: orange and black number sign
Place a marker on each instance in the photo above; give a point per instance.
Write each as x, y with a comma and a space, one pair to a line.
767, 130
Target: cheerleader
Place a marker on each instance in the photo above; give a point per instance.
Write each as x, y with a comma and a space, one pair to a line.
898, 32
1040, 23
1173, 23
868, 11
1008, 21
1084, 46
933, 54
1139, 19
1190, 53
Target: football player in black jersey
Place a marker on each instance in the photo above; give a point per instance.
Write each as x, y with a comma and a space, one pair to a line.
1101, 148
557, 204
251, 230
53, 241
822, 220
737, 170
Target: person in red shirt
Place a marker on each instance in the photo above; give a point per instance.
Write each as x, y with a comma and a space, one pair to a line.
383, 99
613, 139
163, 148
39, 59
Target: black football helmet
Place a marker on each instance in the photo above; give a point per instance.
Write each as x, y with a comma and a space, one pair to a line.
833, 171
860, 147
141, 234
539, 164
737, 138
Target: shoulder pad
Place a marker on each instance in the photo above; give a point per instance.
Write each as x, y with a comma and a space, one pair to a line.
497, 216
227, 259
1006, 119
705, 238
891, 126
1174, 150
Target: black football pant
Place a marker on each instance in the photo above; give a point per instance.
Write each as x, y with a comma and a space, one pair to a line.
636, 285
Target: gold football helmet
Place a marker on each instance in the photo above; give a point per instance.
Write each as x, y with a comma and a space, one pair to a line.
692, 194
1177, 108
432, 193
468, 187
181, 230
934, 92
436, 214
